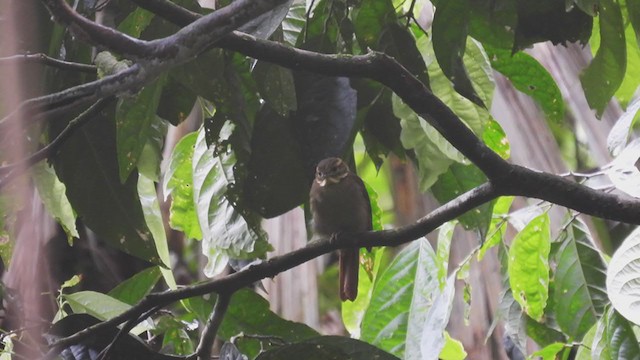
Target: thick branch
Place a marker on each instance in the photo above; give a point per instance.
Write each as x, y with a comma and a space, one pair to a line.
278, 264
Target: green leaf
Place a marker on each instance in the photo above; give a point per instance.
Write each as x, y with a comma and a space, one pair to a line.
456, 181
153, 218
276, 87
226, 232
450, 29
134, 118
633, 10
614, 339
327, 347
376, 27
529, 266
623, 277
88, 167
445, 234
249, 313
400, 298
52, 193
101, 306
627, 89
415, 135
549, 352
176, 101
580, 293
584, 351
136, 287
497, 227
178, 182
528, 76
293, 23
605, 73
495, 137
135, 23
453, 349
493, 22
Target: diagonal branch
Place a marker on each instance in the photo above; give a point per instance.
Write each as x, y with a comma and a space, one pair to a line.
213, 324
272, 267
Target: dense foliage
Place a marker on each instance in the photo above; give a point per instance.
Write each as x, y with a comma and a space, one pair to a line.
269, 114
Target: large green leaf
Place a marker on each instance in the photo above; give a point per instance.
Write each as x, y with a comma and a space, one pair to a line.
276, 87
293, 24
226, 232
580, 293
615, 339
410, 278
633, 11
249, 313
327, 347
52, 193
457, 180
102, 306
178, 182
498, 225
450, 28
134, 118
136, 287
605, 73
528, 76
88, 166
623, 277
493, 22
529, 266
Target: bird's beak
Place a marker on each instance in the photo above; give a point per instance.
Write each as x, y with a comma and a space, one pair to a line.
322, 182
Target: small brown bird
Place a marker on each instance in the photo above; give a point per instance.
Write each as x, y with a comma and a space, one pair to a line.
340, 203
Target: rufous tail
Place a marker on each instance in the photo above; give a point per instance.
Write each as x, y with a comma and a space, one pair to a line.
349, 265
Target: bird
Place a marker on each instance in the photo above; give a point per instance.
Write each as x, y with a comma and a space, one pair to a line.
340, 203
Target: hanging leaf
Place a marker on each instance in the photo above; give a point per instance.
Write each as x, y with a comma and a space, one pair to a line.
226, 233
52, 193
623, 277
136, 287
614, 338
529, 266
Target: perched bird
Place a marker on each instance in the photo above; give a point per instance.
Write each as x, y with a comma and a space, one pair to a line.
340, 203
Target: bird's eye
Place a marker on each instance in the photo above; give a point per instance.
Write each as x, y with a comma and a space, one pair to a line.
319, 173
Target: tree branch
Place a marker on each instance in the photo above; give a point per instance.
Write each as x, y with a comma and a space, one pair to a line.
203, 350
47, 60
272, 267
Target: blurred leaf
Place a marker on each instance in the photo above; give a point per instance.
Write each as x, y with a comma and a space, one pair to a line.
543, 20
580, 293
52, 193
204, 76
176, 101
264, 25
528, 76
381, 128
458, 180
151, 155
619, 134
445, 234
584, 351
493, 22
276, 87
495, 137
325, 119
102, 306
605, 73
549, 352
136, 287
227, 233
88, 167
623, 277
249, 313
497, 227
615, 338
136, 22
633, 9
277, 181
230, 352
134, 117
327, 347
155, 222
432, 339
627, 89
376, 27
178, 182
529, 266
623, 172
452, 350
293, 23
432, 162
450, 28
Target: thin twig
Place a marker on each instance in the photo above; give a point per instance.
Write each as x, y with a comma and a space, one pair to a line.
203, 350
11, 171
44, 59
104, 354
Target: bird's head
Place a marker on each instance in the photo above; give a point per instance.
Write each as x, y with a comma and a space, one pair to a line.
331, 171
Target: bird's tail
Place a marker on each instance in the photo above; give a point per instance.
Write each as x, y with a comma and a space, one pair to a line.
349, 265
